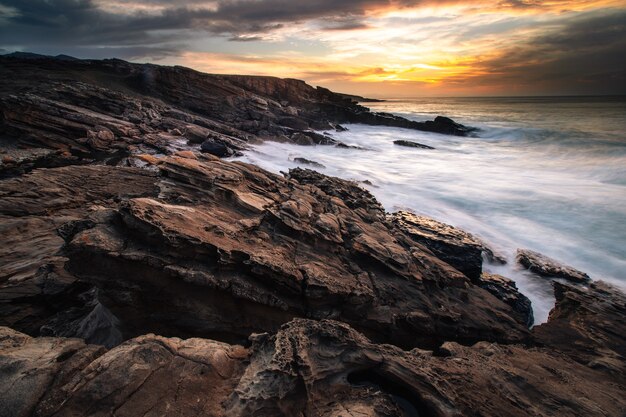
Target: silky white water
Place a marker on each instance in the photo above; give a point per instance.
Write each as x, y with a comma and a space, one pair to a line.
547, 174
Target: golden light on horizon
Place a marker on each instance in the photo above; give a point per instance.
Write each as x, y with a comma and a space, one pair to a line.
431, 47
368, 47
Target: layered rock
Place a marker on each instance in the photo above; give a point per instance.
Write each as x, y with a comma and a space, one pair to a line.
548, 267
269, 249
39, 210
588, 324
456, 247
111, 109
411, 144
313, 368
270, 295
506, 290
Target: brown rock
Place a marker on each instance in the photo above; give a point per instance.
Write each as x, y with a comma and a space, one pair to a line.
314, 368
588, 324
456, 247
548, 267
279, 248
506, 290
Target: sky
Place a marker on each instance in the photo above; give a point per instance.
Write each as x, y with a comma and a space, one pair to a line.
376, 48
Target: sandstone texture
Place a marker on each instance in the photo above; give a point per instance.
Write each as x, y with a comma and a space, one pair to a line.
313, 368
142, 275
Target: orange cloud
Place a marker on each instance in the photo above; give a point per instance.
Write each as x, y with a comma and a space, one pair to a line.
437, 49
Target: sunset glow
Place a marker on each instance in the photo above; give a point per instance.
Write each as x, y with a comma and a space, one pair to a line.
379, 48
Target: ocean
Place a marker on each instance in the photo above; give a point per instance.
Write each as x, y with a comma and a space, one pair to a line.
542, 173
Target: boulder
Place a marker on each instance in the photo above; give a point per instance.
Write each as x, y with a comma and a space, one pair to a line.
456, 247
216, 148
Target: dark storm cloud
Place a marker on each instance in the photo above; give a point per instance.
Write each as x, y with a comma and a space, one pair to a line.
585, 52
583, 56
42, 24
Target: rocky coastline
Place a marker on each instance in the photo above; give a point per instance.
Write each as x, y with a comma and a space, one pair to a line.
142, 274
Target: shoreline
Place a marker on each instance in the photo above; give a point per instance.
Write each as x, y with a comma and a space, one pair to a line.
128, 240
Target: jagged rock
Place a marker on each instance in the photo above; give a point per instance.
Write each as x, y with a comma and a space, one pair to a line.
349, 192
548, 267
313, 368
305, 161
588, 324
38, 211
456, 247
506, 290
227, 249
334, 299
410, 144
111, 109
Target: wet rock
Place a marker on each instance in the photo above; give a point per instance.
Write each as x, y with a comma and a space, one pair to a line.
308, 162
548, 267
216, 148
410, 144
506, 290
456, 247
343, 309
448, 126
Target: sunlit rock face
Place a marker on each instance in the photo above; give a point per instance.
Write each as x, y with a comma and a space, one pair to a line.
227, 249
141, 276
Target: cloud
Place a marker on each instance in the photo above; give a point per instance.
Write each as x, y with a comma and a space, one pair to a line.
450, 45
582, 55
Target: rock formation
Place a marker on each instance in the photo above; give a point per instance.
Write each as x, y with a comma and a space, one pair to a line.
80, 111
548, 267
313, 368
141, 276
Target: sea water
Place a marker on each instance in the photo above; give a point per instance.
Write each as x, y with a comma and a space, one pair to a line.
542, 173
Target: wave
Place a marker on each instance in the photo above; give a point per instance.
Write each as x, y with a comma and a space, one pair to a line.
546, 186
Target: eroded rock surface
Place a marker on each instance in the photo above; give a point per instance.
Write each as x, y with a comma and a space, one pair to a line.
269, 249
411, 144
149, 375
506, 290
313, 368
588, 324
269, 295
